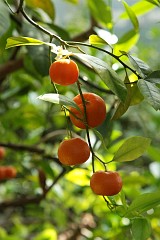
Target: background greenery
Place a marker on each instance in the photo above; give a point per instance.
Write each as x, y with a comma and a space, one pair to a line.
31, 130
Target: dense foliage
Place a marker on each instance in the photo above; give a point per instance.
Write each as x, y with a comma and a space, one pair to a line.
116, 50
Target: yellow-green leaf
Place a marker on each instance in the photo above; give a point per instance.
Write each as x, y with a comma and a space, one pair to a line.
72, 1
141, 228
96, 40
132, 148
132, 16
22, 41
126, 42
151, 93
140, 8
144, 202
133, 97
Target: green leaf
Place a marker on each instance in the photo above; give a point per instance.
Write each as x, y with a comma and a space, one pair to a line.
107, 74
72, 1
154, 153
143, 203
96, 40
4, 19
47, 168
136, 96
22, 41
133, 97
47, 6
154, 77
139, 8
40, 59
131, 149
132, 16
101, 12
154, 2
150, 92
58, 99
99, 135
142, 68
126, 42
141, 228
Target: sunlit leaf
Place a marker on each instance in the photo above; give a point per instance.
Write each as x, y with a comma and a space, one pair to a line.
154, 2
107, 74
139, 8
141, 228
131, 149
22, 41
143, 203
131, 15
150, 92
96, 40
126, 42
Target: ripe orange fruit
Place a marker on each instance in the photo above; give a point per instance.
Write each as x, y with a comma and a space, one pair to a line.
7, 172
10, 172
95, 109
2, 173
64, 72
73, 151
2, 153
106, 183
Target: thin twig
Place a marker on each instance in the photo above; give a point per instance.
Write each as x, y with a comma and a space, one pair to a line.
70, 43
86, 124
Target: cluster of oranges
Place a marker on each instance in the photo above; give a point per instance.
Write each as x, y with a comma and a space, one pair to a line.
90, 113
6, 172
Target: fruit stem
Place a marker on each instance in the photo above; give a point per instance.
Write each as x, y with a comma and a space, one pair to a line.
69, 132
86, 124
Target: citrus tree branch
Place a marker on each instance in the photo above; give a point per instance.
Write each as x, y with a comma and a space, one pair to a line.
21, 202
30, 149
71, 43
31, 21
